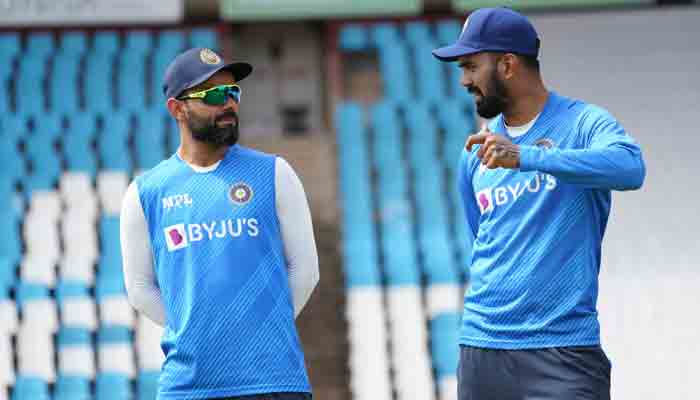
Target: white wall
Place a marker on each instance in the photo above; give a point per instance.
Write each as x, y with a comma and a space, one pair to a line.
644, 66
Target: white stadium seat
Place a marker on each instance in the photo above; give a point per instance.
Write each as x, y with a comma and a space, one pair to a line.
76, 360
116, 358
111, 187
45, 206
35, 353
148, 336
116, 310
444, 299
38, 269
7, 372
79, 311
447, 388
78, 268
8, 316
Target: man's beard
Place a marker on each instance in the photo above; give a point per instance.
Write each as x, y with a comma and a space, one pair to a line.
208, 131
495, 102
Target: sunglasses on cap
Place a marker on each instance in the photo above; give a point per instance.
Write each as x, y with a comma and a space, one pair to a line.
217, 95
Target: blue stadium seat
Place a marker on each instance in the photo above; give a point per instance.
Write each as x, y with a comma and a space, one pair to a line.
444, 345
385, 35
98, 86
394, 65
74, 43
204, 37
353, 37
11, 235
171, 41
30, 388
29, 89
150, 137
9, 45
400, 262
77, 143
447, 31
110, 254
12, 163
131, 88
72, 388
161, 60
138, 41
27, 292
147, 385
110, 386
113, 142
106, 42
439, 262
8, 271
40, 43
417, 32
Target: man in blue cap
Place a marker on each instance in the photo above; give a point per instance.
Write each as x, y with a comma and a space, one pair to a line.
536, 185
218, 248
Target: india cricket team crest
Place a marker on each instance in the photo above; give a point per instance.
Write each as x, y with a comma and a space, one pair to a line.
240, 193
209, 57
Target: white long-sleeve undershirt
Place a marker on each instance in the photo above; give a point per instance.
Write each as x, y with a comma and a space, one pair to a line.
295, 226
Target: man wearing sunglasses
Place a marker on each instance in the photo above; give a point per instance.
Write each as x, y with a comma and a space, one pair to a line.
218, 248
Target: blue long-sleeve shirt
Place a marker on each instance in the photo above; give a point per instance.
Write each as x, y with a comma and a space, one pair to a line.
537, 231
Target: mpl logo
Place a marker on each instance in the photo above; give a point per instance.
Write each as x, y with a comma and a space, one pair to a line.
176, 201
175, 237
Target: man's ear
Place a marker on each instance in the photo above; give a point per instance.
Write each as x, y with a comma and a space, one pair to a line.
506, 65
176, 108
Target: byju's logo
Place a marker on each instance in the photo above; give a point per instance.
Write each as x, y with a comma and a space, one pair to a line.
176, 201
175, 237
501, 195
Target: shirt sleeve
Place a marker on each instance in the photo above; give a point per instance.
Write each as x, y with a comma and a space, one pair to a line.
610, 159
137, 259
297, 234
466, 191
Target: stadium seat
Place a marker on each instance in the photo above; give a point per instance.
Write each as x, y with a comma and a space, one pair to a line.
204, 37
39, 312
111, 187
149, 139
38, 269
8, 314
40, 44
113, 142
71, 387
353, 37
76, 356
78, 268
447, 388
447, 31
9, 45
30, 388
417, 32
98, 84
171, 41
113, 386
138, 41
77, 308
35, 353
7, 368
74, 43
106, 42
115, 354
369, 361
131, 87
78, 195
77, 144
147, 385
444, 328
385, 34
147, 340
116, 310
80, 240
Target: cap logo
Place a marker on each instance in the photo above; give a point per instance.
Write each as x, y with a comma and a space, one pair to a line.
209, 57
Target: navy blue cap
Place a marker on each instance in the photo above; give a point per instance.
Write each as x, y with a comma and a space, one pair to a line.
493, 29
195, 66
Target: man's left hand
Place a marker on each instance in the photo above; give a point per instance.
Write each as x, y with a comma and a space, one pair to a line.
496, 151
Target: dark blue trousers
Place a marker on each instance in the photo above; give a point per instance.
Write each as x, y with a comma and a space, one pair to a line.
558, 373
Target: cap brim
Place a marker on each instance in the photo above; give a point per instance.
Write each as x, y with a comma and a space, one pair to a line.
240, 70
453, 52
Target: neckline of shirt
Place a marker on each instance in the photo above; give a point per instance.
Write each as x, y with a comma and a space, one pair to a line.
203, 170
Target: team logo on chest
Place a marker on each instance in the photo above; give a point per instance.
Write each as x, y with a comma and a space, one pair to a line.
240, 193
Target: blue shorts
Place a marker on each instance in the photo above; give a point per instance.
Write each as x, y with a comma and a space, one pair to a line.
557, 373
